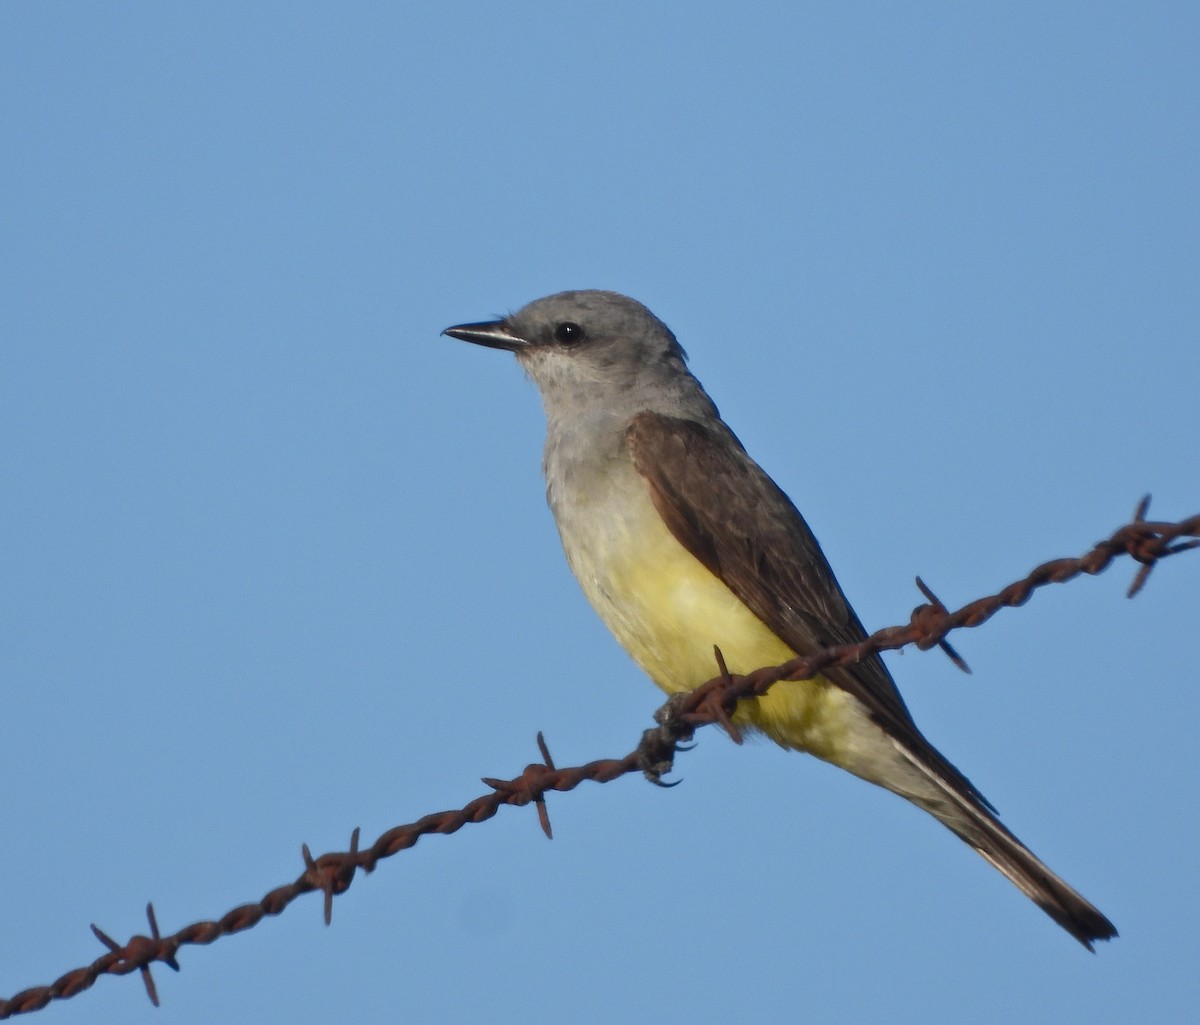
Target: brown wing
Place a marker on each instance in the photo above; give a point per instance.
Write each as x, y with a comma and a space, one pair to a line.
731, 516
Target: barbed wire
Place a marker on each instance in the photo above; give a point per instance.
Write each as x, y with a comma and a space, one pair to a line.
712, 703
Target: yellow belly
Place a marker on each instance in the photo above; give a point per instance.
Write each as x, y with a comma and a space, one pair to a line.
668, 610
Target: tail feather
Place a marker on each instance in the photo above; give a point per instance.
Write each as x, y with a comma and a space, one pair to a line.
977, 826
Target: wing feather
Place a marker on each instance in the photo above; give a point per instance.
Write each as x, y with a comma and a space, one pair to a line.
722, 507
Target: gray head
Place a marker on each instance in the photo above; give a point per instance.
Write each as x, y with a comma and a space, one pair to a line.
591, 351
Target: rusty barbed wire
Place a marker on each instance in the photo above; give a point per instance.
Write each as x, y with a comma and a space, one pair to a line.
711, 703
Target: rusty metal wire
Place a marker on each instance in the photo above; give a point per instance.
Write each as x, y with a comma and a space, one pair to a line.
712, 703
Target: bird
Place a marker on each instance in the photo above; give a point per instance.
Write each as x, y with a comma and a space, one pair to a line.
682, 543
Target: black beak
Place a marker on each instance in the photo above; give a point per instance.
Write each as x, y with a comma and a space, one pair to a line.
495, 334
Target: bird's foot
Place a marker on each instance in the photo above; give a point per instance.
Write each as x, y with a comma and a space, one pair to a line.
656, 752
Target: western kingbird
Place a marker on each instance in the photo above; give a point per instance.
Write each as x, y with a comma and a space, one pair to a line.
681, 542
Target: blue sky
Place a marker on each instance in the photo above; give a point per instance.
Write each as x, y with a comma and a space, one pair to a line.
276, 559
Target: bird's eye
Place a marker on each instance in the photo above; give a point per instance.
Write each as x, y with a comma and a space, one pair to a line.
568, 333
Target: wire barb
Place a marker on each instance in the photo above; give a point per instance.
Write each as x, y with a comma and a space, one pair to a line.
331, 875
935, 603
529, 786
723, 710
138, 953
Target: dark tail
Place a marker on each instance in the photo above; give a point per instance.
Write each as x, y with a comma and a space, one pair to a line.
968, 819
